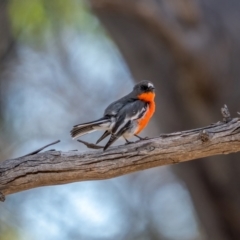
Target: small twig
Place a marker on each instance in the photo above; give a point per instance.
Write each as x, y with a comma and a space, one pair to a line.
226, 114
90, 145
40, 149
2, 197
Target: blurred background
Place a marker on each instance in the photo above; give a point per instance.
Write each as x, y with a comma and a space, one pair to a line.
62, 62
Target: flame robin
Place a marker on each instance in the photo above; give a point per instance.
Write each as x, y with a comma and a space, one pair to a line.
126, 117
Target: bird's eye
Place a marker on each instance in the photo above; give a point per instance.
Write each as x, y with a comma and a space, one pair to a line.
144, 87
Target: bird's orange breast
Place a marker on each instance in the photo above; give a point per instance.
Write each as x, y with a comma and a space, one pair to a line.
149, 98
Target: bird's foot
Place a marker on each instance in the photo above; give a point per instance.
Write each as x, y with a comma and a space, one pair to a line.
128, 142
141, 138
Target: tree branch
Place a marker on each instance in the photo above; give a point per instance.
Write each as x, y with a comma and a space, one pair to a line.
55, 167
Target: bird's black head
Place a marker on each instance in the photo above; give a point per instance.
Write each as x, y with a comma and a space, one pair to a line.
144, 86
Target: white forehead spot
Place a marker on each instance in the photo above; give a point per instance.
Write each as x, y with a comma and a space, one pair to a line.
150, 85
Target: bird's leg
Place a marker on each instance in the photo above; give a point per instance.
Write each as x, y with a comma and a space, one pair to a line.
127, 142
145, 138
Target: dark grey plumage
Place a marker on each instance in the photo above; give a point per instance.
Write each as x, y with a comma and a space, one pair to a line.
119, 117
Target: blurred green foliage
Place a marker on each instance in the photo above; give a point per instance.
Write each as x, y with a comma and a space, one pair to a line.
8, 232
33, 20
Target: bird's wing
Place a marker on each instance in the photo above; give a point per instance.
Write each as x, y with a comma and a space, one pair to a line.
114, 108
130, 112
112, 111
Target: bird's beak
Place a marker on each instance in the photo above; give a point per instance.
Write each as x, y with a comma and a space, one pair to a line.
152, 89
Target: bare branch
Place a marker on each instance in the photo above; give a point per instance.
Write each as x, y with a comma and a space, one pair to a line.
52, 168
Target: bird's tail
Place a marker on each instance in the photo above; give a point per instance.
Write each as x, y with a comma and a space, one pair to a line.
105, 134
112, 139
81, 129
115, 136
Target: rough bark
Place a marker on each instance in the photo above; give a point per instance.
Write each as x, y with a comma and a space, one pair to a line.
54, 167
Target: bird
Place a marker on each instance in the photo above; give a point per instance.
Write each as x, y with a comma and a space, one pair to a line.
126, 117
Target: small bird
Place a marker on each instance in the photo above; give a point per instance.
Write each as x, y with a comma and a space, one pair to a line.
126, 117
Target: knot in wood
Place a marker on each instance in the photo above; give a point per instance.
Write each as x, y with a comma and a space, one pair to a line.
204, 136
